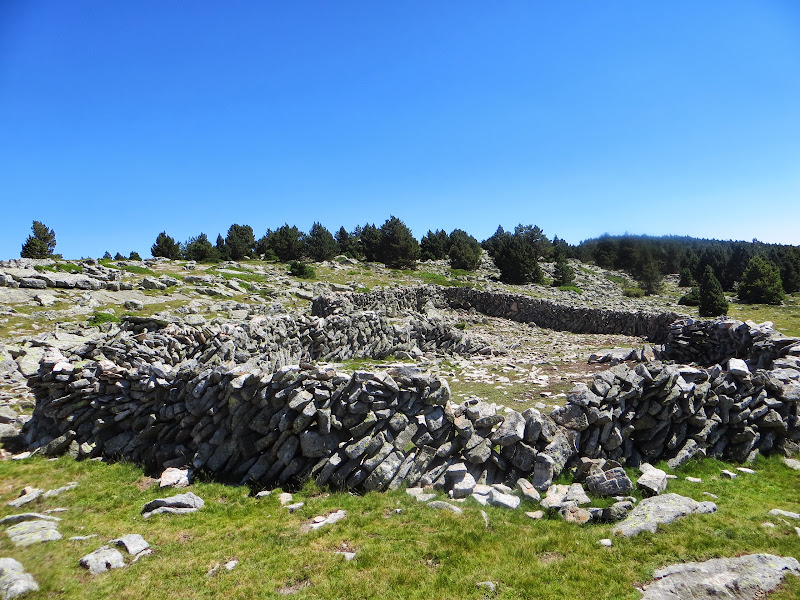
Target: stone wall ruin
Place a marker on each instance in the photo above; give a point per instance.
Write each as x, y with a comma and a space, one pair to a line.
245, 404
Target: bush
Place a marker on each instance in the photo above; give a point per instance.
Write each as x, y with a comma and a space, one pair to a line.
712, 300
633, 292
134, 256
761, 283
692, 298
570, 288
302, 270
99, 318
41, 244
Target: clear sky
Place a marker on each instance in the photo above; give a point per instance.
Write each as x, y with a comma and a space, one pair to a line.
122, 119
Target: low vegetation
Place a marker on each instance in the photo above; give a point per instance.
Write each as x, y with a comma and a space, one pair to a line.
404, 549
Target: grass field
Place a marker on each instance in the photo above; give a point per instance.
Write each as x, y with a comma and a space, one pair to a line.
403, 549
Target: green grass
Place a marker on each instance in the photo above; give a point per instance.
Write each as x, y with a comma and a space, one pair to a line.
786, 317
570, 288
240, 274
431, 278
420, 553
137, 270
67, 267
98, 318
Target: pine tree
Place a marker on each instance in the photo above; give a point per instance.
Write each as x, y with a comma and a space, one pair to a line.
41, 244
165, 246
465, 251
564, 274
761, 283
712, 300
240, 242
320, 244
398, 248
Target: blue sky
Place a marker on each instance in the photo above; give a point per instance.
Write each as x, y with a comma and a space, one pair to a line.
122, 119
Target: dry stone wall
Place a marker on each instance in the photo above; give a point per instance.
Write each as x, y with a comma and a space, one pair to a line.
245, 404
544, 313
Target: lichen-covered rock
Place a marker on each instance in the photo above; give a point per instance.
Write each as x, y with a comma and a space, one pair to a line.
14, 580
659, 510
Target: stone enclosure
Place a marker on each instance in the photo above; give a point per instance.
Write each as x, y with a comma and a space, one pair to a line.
249, 403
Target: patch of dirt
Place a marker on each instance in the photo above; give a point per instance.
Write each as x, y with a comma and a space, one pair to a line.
550, 557
145, 483
294, 587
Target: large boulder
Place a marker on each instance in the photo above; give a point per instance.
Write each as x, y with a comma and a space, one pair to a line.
651, 512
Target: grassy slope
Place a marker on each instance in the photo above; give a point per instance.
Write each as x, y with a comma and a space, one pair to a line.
419, 553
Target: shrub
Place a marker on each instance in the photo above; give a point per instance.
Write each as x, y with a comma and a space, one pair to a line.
41, 244
633, 292
712, 300
570, 288
302, 270
99, 318
761, 283
692, 298
134, 256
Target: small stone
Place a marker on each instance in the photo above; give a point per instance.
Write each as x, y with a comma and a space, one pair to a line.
285, 498
606, 542
728, 474
231, 565
296, 506
178, 504
487, 585
710, 495
103, 559
497, 498
694, 480
776, 512
792, 463
133, 543
745, 470
348, 556
445, 506
535, 514
768, 525
652, 482
263, 493
328, 520
28, 494
173, 477
527, 490
485, 518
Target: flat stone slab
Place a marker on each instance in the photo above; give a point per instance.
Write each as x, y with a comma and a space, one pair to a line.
328, 520
173, 477
22, 517
133, 543
651, 512
178, 505
103, 559
33, 532
445, 506
748, 577
14, 581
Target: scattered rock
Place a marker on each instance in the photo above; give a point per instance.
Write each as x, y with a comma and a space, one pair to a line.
606, 542
14, 581
728, 474
174, 477
28, 494
445, 506
179, 505
776, 512
749, 577
664, 509
652, 482
27, 533
103, 559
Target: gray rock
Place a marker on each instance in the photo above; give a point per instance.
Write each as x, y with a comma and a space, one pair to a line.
749, 577
497, 498
527, 490
652, 482
22, 517
776, 512
14, 581
328, 520
511, 431
133, 543
445, 506
179, 504
614, 482
690, 449
33, 532
651, 512
102, 560
174, 477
